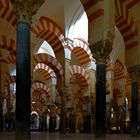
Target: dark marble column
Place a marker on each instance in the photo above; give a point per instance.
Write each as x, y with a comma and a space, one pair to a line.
134, 73
1, 106
87, 118
63, 114
100, 99
24, 11
134, 109
1, 117
52, 120
23, 80
101, 51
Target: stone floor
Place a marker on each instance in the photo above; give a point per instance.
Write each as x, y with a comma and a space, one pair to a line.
57, 136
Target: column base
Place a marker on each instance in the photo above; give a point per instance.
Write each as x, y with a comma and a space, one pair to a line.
134, 134
22, 133
23, 137
100, 134
134, 131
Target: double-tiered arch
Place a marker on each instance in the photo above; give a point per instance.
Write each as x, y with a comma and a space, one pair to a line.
44, 70
48, 30
53, 63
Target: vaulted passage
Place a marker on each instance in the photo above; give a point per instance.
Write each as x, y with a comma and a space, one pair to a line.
69, 67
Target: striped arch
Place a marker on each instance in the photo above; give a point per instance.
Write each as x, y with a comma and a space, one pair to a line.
118, 70
41, 87
51, 62
7, 43
109, 66
125, 23
7, 12
10, 59
128, 88
93, 9
82, 78
45, 71
10, 79
3, 60
81, 49
40, 96
48, 30
38, 101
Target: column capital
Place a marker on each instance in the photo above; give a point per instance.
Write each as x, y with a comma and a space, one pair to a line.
134, 72
25, 9
101, 50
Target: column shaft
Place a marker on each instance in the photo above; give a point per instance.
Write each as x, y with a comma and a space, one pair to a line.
23, 81
100, 100
63, 115
134, 109
1, 117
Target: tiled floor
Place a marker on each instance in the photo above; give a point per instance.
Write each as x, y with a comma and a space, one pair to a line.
57, 136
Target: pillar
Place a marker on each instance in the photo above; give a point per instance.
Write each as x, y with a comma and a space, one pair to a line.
24, 11
101, 51
1, 112
63, 118
134, 73
88, 123
1, 104
92, 77
109, 97
63, 113
23, 80
53, 89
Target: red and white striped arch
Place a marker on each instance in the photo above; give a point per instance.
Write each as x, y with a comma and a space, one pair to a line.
109, 66
45, 71
81, 49
118, 70
124, 20
93, 8
52, 62
125, 23
48, 30
84, 78
7, 12
128, 88
10, 59
38, 101
41, 87
10, 79
7, 43
3, 60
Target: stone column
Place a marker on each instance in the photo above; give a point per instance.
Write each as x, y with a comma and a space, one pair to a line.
88, 117
91, 74
1, 111
101, 51
63, 118
134, 73
24, 10
52, 122
1, 104
53, 97
63, 113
